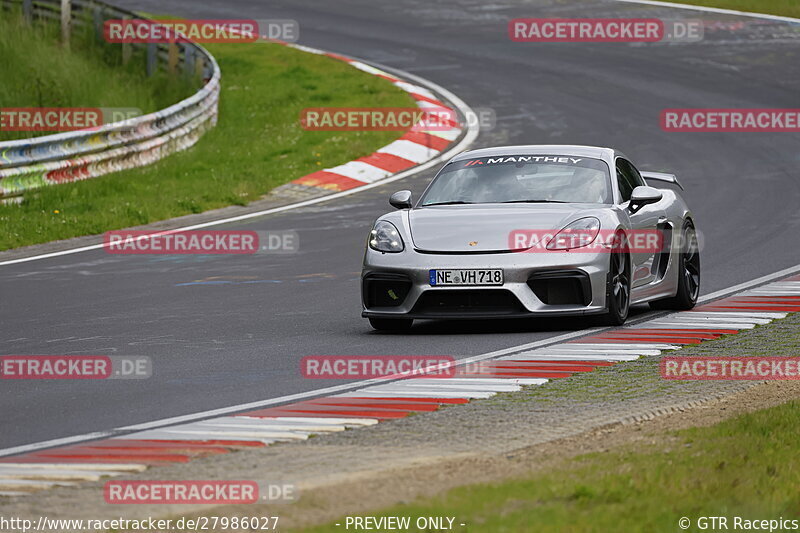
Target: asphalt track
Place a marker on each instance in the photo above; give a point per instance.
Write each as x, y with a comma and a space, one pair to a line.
226, 330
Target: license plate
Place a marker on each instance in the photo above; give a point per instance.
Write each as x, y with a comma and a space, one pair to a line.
468, 277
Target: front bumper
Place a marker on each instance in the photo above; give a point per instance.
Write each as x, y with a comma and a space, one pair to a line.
535, 284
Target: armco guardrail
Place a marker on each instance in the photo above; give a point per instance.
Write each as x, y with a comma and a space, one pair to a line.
37, 162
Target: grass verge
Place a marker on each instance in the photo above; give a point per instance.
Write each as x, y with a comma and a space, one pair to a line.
257, 145
89, 74
742, 467
786, 8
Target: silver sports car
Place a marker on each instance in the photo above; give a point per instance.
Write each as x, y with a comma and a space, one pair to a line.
523, 231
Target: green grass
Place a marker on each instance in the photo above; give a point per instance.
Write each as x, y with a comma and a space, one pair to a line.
257, 145
38, 72
746, 466
787, 8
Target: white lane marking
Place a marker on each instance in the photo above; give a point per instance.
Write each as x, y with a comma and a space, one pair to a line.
710, 325
158, 434
522, 381
310, 50
369, 69
234, 434
22, 483
644, 346
358, 170
713, 10
732, 314
239, 422
576, 357
700, 320
407, 391
408, 150
699, 328
566, 350
463, 387
424, 104
450, 135
55, 475
327, 420
473, 130
772, 292
415, 89
12, 493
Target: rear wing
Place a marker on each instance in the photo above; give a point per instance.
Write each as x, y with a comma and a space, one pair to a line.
660, 176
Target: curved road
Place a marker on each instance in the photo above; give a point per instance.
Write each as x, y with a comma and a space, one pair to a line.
219, 344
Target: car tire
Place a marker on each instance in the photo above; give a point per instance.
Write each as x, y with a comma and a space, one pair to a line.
688, 274
618, 293
391, 324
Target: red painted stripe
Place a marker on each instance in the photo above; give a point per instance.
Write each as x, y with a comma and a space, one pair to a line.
564, 367
154, 446
633, 340
406, 399
548, 362
331, 412
423, 98
426, 139
771, 297
328, 180
537, 374
380, 405
714, 331
339, 57
793, 278
389, 162
127, 457
74, 460
782, 308
636, 333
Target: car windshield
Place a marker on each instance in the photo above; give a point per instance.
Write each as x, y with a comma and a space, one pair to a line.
521, 179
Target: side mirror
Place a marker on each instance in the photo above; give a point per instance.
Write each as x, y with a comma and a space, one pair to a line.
642, 196
401, 200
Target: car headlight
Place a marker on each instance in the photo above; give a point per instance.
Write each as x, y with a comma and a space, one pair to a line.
384, 237
577, 234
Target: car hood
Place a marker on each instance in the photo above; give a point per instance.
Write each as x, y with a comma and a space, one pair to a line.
488, 227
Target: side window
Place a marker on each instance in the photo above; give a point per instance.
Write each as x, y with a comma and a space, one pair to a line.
637, 177
625, 180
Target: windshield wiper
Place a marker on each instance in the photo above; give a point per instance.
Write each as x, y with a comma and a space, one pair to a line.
455, 202
534, 202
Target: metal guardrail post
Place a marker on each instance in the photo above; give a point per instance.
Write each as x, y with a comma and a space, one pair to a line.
27, 11
97, 16
127, 49
172, 57
188, 60
66, 22
152, 58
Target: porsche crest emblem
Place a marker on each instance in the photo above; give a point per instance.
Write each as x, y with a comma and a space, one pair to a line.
473, 243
